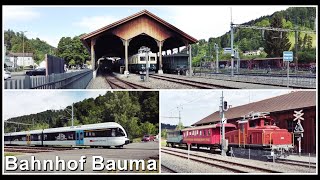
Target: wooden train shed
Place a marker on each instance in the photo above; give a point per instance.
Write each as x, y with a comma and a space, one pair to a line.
124, 37
281, 109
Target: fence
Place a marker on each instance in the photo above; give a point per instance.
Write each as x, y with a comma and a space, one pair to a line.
72, 80
294, 82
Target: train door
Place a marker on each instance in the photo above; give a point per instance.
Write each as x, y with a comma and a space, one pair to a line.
28, 139
79, 137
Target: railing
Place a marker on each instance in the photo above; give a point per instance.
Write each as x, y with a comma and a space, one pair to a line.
72, 80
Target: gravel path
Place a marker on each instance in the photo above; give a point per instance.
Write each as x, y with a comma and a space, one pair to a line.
153, 83
98, 83
269, 165
182, 165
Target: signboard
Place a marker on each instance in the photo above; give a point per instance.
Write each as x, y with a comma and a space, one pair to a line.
227, 50
287, 56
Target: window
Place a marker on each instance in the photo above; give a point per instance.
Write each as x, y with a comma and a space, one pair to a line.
142, 58
204, 132
200, 132
152, 58
208, 132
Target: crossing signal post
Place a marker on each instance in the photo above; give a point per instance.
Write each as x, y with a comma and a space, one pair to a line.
298, 130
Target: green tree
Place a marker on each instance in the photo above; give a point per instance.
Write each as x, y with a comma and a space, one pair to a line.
276, 42
309, 42
179, 126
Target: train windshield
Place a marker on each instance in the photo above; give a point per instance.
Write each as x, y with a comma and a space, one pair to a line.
152, 58
142, 58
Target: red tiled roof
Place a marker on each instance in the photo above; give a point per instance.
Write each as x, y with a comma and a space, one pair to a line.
290, 101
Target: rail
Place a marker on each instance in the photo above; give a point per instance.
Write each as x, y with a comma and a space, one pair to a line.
72, 80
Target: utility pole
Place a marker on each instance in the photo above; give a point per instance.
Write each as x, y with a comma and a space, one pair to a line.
23, 48
232, 52
296, 49
72, 115
216, 47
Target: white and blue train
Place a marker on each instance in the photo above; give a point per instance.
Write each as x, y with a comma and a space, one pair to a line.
94, 135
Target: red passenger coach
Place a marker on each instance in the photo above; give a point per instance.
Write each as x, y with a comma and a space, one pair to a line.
205, 136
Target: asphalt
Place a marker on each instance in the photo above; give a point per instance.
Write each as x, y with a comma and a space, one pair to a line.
133, 151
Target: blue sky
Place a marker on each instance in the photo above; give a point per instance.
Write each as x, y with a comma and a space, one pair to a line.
18, 103
198, 104
52, 23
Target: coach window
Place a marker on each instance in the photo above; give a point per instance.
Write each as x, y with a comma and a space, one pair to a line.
208, 132
113, 132
204, 132
200, 132
152, 58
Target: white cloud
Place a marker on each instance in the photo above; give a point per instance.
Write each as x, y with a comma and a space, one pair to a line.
203, 22
19, 13
18, 103
52, 40
95, 22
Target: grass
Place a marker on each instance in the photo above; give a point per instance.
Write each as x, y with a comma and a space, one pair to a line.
136, 140
11, 154
292, 39
163, 142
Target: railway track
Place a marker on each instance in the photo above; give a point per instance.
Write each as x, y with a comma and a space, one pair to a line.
224, 164
200, 85
297, 163
167, 169
29, 149
117, 83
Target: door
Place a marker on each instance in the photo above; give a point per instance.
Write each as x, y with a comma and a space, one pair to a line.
28, 139
79, 137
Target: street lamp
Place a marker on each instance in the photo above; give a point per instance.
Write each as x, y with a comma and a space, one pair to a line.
71, 114
23, 48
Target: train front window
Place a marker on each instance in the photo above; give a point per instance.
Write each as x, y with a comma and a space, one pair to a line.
152, 58
142, 58
120, 132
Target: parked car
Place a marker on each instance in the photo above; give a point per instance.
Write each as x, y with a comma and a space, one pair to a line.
148, 138
38, 71
6, 74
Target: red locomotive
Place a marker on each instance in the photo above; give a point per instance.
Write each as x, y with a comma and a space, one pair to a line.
256, 131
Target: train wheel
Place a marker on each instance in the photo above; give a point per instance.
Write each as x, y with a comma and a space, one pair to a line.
106, 147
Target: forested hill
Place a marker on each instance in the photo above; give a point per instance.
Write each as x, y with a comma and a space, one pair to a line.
136, 111
252, 39
14, 42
